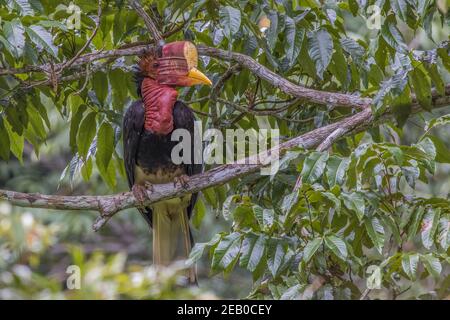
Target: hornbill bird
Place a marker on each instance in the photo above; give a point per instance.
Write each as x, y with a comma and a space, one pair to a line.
147, 128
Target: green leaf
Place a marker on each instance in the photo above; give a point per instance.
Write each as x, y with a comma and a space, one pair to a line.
336, 170
353, 48
273, 31
86, 169
355, 202
23, 6
339, 67
4, 141
422, 87
229, 205
444, 233
443, 54
311, 248
415, 223
38, 103
336, 203
400, 8
392, 35
244, 217
395, 84
289, 201
100, 86
432, 264
442, 120
427, 146
294, 39
105, 145
199, 248
230, 19
411, 174
279, 257
264, 216
314, 166
86, 134
196, 253
253, 248
337, 246
442, 152
392, 226
409, 264
53, 24
354, 7
16, 142
376, 233
74, 125
108, 174
226, 252
197, 5
119, 91
320, 50
437, 79
292, 293
211, 198
42, 39
36, 122
14, 33
199, 213
429, 227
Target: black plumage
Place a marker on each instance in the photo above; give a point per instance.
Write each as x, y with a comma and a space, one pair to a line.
152, 152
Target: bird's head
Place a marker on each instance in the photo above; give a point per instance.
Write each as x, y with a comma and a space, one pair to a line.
173, 64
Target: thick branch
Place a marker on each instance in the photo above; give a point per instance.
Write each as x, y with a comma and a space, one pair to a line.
136, 49
311, 95
110, 204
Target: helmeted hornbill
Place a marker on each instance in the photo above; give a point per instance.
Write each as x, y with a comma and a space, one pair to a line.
147, 127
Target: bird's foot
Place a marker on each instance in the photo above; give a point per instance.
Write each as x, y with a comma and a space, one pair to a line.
182, 181
148, 186
140, 192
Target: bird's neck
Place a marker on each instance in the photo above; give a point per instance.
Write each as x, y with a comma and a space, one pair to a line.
159, 101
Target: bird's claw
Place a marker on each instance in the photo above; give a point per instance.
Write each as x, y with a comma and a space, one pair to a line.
148, 186
182, 181
140, 192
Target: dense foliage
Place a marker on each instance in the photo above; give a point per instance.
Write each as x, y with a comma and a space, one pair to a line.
362, 219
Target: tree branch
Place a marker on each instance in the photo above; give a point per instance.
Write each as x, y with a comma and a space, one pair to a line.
215, 91
315, 96
156, 35
68, 63
111, 204
135, 49
311, 95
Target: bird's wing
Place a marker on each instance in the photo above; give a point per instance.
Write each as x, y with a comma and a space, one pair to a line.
133, 126
183, 118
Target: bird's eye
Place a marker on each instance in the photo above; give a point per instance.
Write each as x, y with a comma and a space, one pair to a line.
155, 65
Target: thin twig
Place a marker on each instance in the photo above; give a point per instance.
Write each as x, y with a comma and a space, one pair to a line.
151, 26
215, 91
68, 63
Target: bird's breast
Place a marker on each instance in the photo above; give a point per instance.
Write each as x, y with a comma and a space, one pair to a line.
157, 176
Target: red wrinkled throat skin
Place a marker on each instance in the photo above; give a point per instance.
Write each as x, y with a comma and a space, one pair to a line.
159, 101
